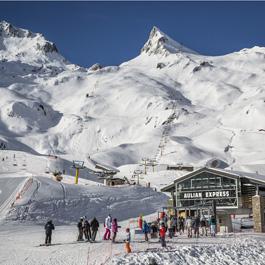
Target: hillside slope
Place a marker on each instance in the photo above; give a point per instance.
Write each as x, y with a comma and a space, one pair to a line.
169, 103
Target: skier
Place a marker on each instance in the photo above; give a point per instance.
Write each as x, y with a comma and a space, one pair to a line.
175, 225
203, 226
80, 230
128, 241
49, 226
94, 227
146, 230
114, 229
197, 222
181, 225
171, 227
107, 224
212, 223
162, 234
140, 222
189, 226
164, 220
87, 230
154, 229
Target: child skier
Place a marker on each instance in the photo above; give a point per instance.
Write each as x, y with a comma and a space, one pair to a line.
128, 241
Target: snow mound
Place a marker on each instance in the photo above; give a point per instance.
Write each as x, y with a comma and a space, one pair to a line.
243, 251
65, 203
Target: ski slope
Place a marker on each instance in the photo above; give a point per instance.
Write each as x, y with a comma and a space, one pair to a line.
9, 188
224, 249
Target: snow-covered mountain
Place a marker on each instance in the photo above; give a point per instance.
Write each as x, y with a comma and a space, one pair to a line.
169, 103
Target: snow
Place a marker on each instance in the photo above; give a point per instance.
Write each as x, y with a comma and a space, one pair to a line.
245, 248
169, 105
117, 114
235, 250
42, 197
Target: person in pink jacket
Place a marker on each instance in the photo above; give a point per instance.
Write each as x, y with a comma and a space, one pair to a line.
114, 229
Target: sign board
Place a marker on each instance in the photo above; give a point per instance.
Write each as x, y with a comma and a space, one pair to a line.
208, 194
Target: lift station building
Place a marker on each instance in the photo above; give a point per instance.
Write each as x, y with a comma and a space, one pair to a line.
231, 193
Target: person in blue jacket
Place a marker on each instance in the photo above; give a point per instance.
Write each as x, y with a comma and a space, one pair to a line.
146, 230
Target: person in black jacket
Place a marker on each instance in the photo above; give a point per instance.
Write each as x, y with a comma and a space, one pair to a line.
197, 223
94, 227
87, 231
80, 230
48, 230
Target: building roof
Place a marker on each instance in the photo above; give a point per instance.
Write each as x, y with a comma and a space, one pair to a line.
106, 168
253, 177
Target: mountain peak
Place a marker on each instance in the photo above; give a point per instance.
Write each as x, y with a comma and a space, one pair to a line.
160, 43
28, 38
8, 30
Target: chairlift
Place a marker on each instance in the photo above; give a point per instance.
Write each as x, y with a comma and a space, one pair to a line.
77, 164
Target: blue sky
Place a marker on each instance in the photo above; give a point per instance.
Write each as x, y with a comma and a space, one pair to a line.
113, 32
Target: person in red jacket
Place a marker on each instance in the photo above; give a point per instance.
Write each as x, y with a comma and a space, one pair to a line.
162, 234
140, 222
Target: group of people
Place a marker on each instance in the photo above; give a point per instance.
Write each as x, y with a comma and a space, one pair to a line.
87, 229
153, 229
111, 228
197, 226
201, 224
173, 225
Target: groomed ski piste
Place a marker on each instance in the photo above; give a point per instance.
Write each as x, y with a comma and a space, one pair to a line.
20, 245
169, 105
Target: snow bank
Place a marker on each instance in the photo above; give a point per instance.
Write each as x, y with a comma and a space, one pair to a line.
241, 251
65, 203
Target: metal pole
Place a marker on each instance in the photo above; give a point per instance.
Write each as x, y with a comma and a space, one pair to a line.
76, 175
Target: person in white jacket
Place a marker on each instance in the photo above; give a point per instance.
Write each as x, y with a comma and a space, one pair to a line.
107, 224
189, 226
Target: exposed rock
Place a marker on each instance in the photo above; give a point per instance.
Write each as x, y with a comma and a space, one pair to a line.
160, 43
95, 67
47, 47
160, 65
9, 30
216, 163
2, 146
203, 64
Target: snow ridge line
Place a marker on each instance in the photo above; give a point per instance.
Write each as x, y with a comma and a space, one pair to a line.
11, 199
26, 186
